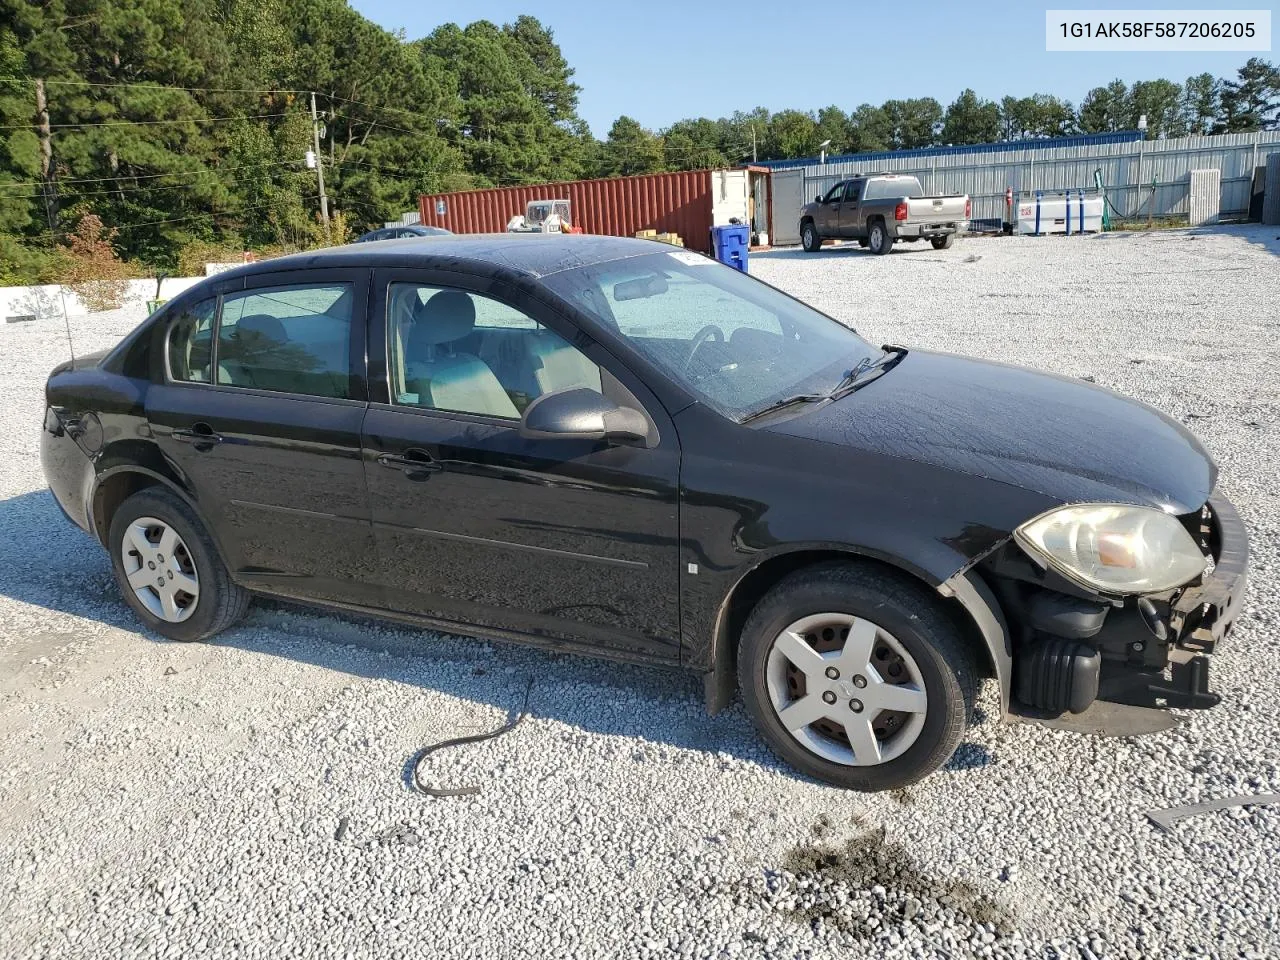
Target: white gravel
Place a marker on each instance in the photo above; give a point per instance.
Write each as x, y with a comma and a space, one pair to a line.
166, 800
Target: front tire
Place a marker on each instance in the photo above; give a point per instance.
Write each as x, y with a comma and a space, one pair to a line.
856, 676
810, 237
169, 570
878, 239
944, 243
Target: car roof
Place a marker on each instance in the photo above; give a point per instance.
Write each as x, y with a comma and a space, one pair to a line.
531, 254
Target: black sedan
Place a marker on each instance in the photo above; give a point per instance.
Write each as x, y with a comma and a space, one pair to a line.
402, 231
608, 446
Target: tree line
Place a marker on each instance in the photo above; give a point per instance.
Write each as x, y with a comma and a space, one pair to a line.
171, 132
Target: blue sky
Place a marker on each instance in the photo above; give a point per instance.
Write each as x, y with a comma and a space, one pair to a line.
660, 60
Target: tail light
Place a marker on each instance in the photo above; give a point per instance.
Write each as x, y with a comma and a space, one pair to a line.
968, 207
900, 212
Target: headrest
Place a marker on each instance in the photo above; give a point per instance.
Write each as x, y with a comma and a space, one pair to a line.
263, 325
449, 315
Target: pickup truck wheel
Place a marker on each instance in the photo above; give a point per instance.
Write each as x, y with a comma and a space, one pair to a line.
944, 243
810, 237
169, 570
878, 239
856, 676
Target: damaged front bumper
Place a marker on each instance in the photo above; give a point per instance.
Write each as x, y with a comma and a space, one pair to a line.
1202, 616
1148, 652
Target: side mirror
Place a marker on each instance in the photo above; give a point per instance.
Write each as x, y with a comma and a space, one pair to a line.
582, 414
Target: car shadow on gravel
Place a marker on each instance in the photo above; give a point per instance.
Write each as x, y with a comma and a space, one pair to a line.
47, 562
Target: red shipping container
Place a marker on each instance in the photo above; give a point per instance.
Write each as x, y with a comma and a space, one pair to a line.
678, 202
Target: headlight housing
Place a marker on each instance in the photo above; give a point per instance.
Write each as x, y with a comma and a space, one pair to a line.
1114, 548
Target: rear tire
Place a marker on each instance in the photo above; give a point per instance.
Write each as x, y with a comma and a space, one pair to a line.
156, 534
878, 239
917, 660
944, 243
810, 237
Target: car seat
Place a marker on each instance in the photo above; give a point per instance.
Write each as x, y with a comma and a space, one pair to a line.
441, 377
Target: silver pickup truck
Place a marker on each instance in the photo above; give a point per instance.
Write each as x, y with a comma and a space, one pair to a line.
878, 208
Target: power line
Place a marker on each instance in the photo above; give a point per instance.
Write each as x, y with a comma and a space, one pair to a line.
163, 86
144, 123
160, 186
151, 223
148, 176
150, 86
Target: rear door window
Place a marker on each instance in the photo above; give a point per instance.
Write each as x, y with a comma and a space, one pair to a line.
191, 342
291, 339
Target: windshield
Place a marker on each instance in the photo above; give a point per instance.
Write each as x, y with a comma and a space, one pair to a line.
883, 188
737, 343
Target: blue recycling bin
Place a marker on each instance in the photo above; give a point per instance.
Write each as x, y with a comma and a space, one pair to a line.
730, 243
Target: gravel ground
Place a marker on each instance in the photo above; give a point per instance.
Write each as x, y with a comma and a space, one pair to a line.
248, 797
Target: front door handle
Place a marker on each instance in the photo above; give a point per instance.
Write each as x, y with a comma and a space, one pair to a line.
415, 464
200, 436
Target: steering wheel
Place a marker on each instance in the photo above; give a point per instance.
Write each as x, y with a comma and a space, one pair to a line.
709, 332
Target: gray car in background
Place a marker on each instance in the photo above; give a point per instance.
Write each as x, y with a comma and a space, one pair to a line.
400, 232
878, 208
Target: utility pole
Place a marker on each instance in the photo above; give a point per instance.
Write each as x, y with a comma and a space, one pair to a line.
753, 142
46, 156
324, 199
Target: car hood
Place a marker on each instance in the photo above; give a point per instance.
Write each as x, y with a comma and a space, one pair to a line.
1059, 437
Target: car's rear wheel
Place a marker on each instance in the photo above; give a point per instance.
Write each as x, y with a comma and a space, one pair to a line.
856, 676
943, 243
878, 238
169, 570
810, 237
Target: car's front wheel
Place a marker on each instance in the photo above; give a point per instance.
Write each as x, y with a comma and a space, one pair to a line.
856, 676
810, 237
169, 570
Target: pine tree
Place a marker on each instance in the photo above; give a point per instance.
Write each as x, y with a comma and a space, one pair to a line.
1252, 100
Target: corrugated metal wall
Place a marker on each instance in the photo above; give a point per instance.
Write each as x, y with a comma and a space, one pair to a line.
667, 202
1128, 167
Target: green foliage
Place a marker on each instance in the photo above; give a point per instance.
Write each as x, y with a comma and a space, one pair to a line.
1252, 100
1039, 115
1160, 101
630, 149
1106, 109
1201, 104
971, 120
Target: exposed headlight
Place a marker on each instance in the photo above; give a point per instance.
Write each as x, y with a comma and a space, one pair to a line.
1114, 548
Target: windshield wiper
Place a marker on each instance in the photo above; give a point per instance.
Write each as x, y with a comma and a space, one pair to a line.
785, 402
867, 369
864, 372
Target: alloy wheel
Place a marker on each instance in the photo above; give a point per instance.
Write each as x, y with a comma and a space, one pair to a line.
160, 570
846, 689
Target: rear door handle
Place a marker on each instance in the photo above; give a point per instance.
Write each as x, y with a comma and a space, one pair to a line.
200, 436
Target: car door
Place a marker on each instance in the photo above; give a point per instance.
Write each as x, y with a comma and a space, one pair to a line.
258, 398
567, 540
850, 218
828, 215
